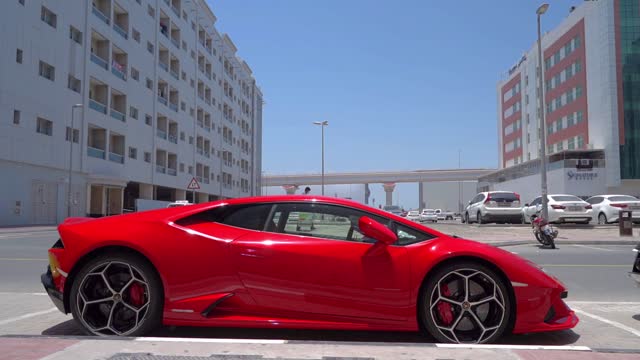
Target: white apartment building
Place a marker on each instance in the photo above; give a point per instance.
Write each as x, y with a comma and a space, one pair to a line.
161, 98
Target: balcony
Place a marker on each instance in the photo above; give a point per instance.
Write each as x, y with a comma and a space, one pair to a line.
117, 115
162, 100
100, 15
164, 66
100, 61
117, 158
161, 169
174, 74
96, 153
175, 42
161, 134
200, 151
122, 32
173, 138
97, 106
172, 172
175, 10
173, 107
119, 70
205, 180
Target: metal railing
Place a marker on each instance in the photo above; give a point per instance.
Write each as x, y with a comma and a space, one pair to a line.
164, 66
117, 115
175, 42
96, 153
100, 61
172, 172
174, 74
124, 33
162, 100
161, 134
205, 180
173, 107
200, 151
173, 138
118, 73
100, 15
97, 106
175, 10
116, 158
161, 169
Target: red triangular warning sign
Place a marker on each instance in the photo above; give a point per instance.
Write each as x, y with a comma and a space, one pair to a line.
193, 185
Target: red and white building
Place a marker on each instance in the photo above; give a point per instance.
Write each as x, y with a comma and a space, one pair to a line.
588, 68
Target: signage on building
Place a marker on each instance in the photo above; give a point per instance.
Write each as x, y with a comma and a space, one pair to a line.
582, 175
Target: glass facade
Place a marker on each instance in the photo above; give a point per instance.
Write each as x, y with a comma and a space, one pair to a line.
630, 58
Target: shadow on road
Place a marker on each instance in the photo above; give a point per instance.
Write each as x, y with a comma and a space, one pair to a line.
70, 328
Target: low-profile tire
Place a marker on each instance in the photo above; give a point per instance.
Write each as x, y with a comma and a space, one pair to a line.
452, 314
602, 219
479, 217
117, 294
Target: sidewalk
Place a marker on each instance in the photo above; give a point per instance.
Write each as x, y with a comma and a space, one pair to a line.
506, 235
89, 348
26, 229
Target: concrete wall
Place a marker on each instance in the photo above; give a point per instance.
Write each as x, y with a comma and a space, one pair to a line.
444, 195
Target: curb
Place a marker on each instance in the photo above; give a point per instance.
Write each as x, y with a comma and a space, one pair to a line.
19, 230
566, 242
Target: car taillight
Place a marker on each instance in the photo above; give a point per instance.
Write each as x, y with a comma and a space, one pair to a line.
588, 207
558, 207
517, 196
488, 198
621, 206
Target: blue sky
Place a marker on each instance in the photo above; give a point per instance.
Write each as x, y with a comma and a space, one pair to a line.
404, 84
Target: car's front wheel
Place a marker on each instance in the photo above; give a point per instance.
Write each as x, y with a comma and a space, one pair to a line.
117, 294
465, 302
602, 219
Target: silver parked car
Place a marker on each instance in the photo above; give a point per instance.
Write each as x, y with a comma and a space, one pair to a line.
563, 208
428, 215
413, 215
494, 206
606, 208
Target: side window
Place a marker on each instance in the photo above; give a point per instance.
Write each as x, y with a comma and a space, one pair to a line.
321, 220
478, 198
251, 217
536, 201
407, 235
595, 200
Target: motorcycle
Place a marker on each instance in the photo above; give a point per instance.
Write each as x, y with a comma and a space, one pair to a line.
543, 231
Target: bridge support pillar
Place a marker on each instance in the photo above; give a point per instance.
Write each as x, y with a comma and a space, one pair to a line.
421, 203
367, 193
388, 189
290, 189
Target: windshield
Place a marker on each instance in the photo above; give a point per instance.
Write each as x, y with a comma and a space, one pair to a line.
503, 197
565, 198
622, 198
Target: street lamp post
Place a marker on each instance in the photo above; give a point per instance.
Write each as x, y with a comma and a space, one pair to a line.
69, 196
543, 129
322, 124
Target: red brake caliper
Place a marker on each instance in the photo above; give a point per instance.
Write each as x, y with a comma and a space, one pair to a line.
136, 294
444, 308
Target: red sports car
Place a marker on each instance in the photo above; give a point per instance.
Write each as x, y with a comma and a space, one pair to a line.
294, 262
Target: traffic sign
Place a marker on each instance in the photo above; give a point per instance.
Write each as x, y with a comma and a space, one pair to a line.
193, 185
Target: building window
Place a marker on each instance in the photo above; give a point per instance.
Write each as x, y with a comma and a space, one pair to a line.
190, 140
16, 117
147, 157
49, 17
192, 83
149, 84
75, 35
193, 26
580, 142
72, 133
579, 117
21, 2
147, 119
47, 71
193, 54
133, 112
150, 47
182, 135
191, 112
135, 74
44, 126
578, 91
133, 153
184, 45
73, 84
151, 11
136, 35
183, 106
184, 76
19, 56
571, 144
190, 170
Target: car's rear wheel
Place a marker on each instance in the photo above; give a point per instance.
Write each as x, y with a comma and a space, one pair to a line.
479, 217
465, 302
602, 219
117, 294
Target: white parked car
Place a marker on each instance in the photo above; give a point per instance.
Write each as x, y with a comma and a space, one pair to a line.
428, 215
413, 215
494, 206
444, 215
563, 208
179, 203
606, 208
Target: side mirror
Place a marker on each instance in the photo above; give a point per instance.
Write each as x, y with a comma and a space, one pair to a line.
526, 205
375, 230
469, 202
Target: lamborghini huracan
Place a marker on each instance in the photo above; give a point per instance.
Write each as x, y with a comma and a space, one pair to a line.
301, 262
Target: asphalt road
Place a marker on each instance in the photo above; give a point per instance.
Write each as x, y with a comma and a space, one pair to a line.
605, 299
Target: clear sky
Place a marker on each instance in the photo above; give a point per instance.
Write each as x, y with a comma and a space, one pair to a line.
404, 84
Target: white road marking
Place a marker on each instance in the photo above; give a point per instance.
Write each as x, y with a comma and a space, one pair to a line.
26, 316
23, 293
592, 247
610, 322
513, 347
199, 340
635, 303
